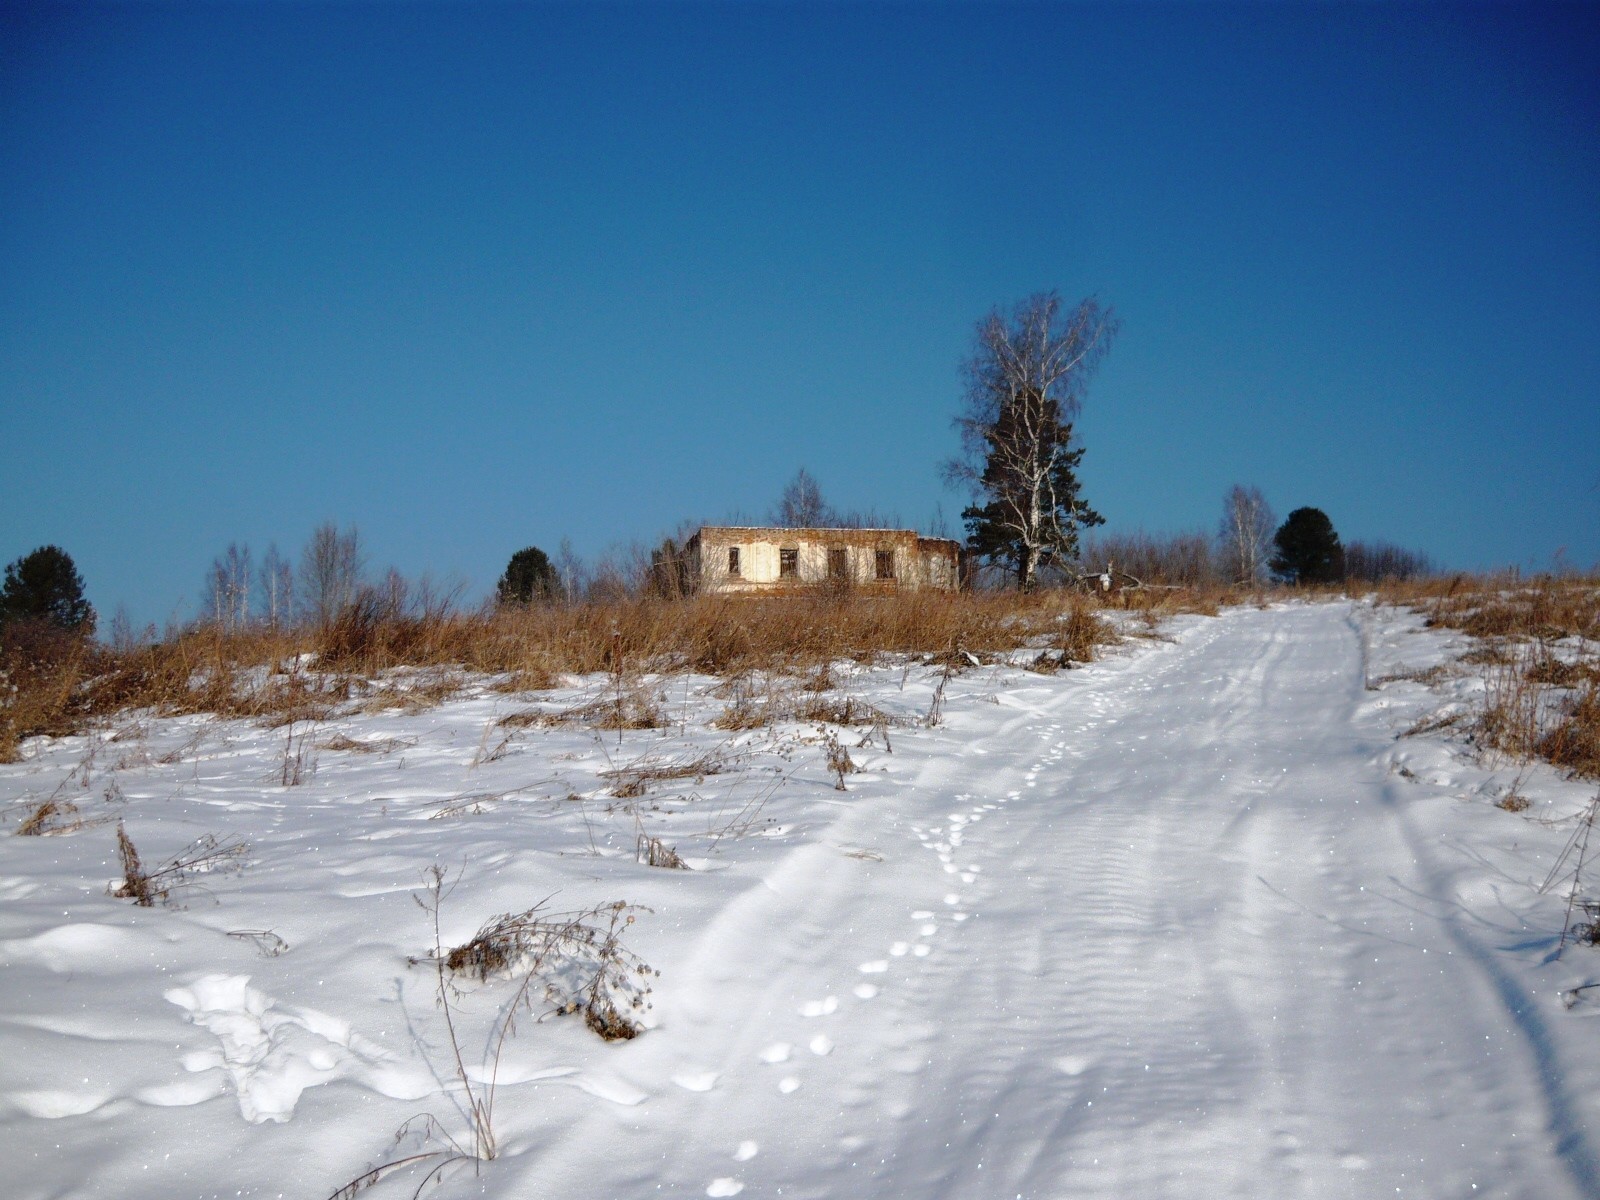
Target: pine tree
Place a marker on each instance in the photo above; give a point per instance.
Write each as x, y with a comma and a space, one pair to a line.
529, 577
45, 586
1308, 549
1024, 385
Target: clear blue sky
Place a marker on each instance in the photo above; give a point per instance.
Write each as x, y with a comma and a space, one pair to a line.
474, 277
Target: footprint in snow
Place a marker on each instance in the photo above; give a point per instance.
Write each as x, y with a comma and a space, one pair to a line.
724, 1187
899, 949
864, 991
271, 1053
778, 1052
820, 1008
788, 1084
746, 1151
876, 967
821, 1045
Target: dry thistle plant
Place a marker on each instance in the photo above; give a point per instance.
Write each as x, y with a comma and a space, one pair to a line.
839, 761
204, 856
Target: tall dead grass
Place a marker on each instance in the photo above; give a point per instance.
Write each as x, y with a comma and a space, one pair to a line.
1540, 659
57, 685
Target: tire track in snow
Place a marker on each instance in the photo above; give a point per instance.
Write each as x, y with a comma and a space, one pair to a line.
1191, 965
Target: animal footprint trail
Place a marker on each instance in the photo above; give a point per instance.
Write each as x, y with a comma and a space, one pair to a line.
272, 1053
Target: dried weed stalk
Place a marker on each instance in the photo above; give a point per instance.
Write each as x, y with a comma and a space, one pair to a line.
574, 961
633, 779
1570, 865
653, 853
204, 856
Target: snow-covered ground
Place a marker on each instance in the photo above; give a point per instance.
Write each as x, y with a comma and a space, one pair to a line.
1193, 921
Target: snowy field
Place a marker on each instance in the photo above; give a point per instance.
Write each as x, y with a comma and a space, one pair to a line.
1193, 921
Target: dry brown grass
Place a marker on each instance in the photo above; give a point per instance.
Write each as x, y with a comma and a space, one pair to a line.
634, 779
1506, 606
1537, 653
52, 684
55, 815
653, 853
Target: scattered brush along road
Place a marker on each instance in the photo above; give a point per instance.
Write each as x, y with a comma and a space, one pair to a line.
1191, 922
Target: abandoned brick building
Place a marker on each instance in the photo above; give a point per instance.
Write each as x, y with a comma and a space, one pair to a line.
752, 560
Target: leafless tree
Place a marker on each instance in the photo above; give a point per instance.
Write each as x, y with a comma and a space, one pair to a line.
395, 594
1245, 536
1024, 384
1182, 559
1373, 562
330, 572
571, 571
276, 582
801, 506
228, 588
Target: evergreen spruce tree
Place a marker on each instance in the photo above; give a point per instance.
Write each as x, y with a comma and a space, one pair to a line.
1307, 549
1025, 382
45, 586
529, 577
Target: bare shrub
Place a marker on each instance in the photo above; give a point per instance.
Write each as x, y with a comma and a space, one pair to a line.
575, 960
1180, 559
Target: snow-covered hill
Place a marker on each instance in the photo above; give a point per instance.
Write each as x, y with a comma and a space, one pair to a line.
1193, 921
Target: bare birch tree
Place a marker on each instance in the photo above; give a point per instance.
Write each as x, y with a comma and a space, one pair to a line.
801, 506
1025, 383
275, 580
330, 573
228, 588
1245, 536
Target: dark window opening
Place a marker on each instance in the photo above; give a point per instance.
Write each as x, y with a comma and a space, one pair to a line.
788, 564
733, 560
838, 566
885, 564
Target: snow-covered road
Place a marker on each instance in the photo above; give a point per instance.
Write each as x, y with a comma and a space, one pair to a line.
1169, 934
